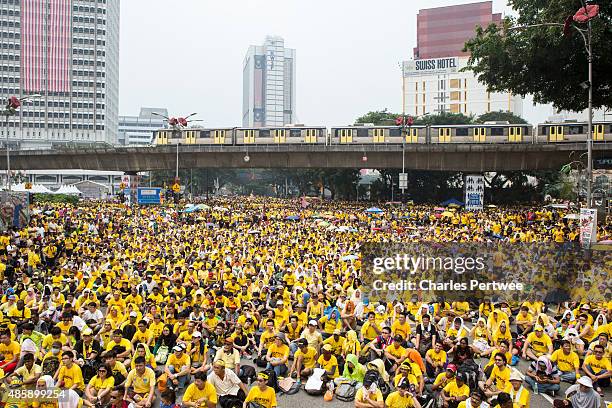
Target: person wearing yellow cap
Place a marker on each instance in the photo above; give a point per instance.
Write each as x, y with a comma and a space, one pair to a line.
261, 393
404, 397
328, 362
537, 344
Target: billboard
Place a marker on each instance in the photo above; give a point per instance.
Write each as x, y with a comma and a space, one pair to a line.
474, 192
14, 209
149, 195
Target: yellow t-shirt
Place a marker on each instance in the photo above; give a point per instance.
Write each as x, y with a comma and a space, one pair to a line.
539, 344
598, 365
278, 351
439, 357
452, 390
395, 400
266, 398
10, 351
193, 393
184, 360
376, 397
401, 329
100, 384
328, 364
501, 378
308, 358
141, 384
565, 362
71, 376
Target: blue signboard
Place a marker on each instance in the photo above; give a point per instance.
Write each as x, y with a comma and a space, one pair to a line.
149, 195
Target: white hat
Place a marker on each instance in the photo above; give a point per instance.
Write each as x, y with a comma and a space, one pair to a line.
312, 322
280, 302
515, 376
586, 381
177, 348
197, 334
133, 314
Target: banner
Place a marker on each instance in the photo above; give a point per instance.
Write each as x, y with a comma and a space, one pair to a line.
588, 226
474, 192
14, 210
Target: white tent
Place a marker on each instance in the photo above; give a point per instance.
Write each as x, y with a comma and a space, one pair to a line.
36, 189
69, 190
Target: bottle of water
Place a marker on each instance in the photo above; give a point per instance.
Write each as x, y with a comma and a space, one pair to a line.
535, 389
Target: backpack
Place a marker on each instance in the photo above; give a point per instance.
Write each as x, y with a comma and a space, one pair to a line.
346, 391
162, 355
374, 377
272, 379
248, 374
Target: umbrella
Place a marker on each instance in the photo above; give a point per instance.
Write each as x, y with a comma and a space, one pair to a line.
447, 214
374, 210
572, 217
439, 209
293, 218
491, 206
223, 209
348, 258
453, 205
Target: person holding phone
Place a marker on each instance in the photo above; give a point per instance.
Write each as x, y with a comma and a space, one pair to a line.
369, 396
404, 397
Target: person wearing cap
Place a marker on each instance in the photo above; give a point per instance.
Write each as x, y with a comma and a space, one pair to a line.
404, 397
312, 335
395, 354
304, 360
178, 368
412, 373
543, 376
229, 355
281, 315
581, 395
229, 387
278, 354
567, 361
200, 394
328, 362
336, 340
87, 349
455, 392
537, 344
369, 396
598, 368
261, 393
519, 394
445, 378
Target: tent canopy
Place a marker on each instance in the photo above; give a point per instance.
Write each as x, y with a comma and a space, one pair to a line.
451, 201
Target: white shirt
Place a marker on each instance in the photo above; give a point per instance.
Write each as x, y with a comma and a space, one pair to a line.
229, 385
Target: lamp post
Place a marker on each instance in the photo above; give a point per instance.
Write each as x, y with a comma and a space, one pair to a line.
584, 15
13, 103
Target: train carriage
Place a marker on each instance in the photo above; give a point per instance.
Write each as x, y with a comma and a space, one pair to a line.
192, 136
573, 132
481, 133
370, 134
281, 135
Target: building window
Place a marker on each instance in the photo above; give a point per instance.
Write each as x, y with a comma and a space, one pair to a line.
455, 83
455, 95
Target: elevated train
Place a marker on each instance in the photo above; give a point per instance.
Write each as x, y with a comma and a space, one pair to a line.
489, 133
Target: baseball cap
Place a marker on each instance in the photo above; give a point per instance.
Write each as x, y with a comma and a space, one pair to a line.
133, 314
515, 376
451, 367
327, 347
538, 328
337, 331
404, 384
177, 348
219, 363
312, 323
87, 332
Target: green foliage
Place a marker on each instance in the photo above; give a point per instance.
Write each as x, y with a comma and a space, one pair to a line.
444, 118
56, 198
541, 60
500, 116
379, 118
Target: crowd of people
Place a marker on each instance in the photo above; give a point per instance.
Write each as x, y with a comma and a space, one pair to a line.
124, 306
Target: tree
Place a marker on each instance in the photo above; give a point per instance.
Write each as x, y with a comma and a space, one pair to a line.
542, 61
379, 118
500, 116
444, 118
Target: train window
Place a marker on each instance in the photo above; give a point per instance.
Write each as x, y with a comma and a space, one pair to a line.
264, 133
296, 132
205, 134
461, 131
176, 134
362, 132
497, 131
394, 132
575, 130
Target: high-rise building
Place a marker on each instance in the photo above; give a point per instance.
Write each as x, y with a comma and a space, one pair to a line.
433, 82
268, 84
67, 51
442, 31
138, 130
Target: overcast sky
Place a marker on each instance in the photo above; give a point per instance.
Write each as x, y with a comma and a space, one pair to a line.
187, 55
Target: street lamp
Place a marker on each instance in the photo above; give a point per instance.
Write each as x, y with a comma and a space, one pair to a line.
584, 15
13, 103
